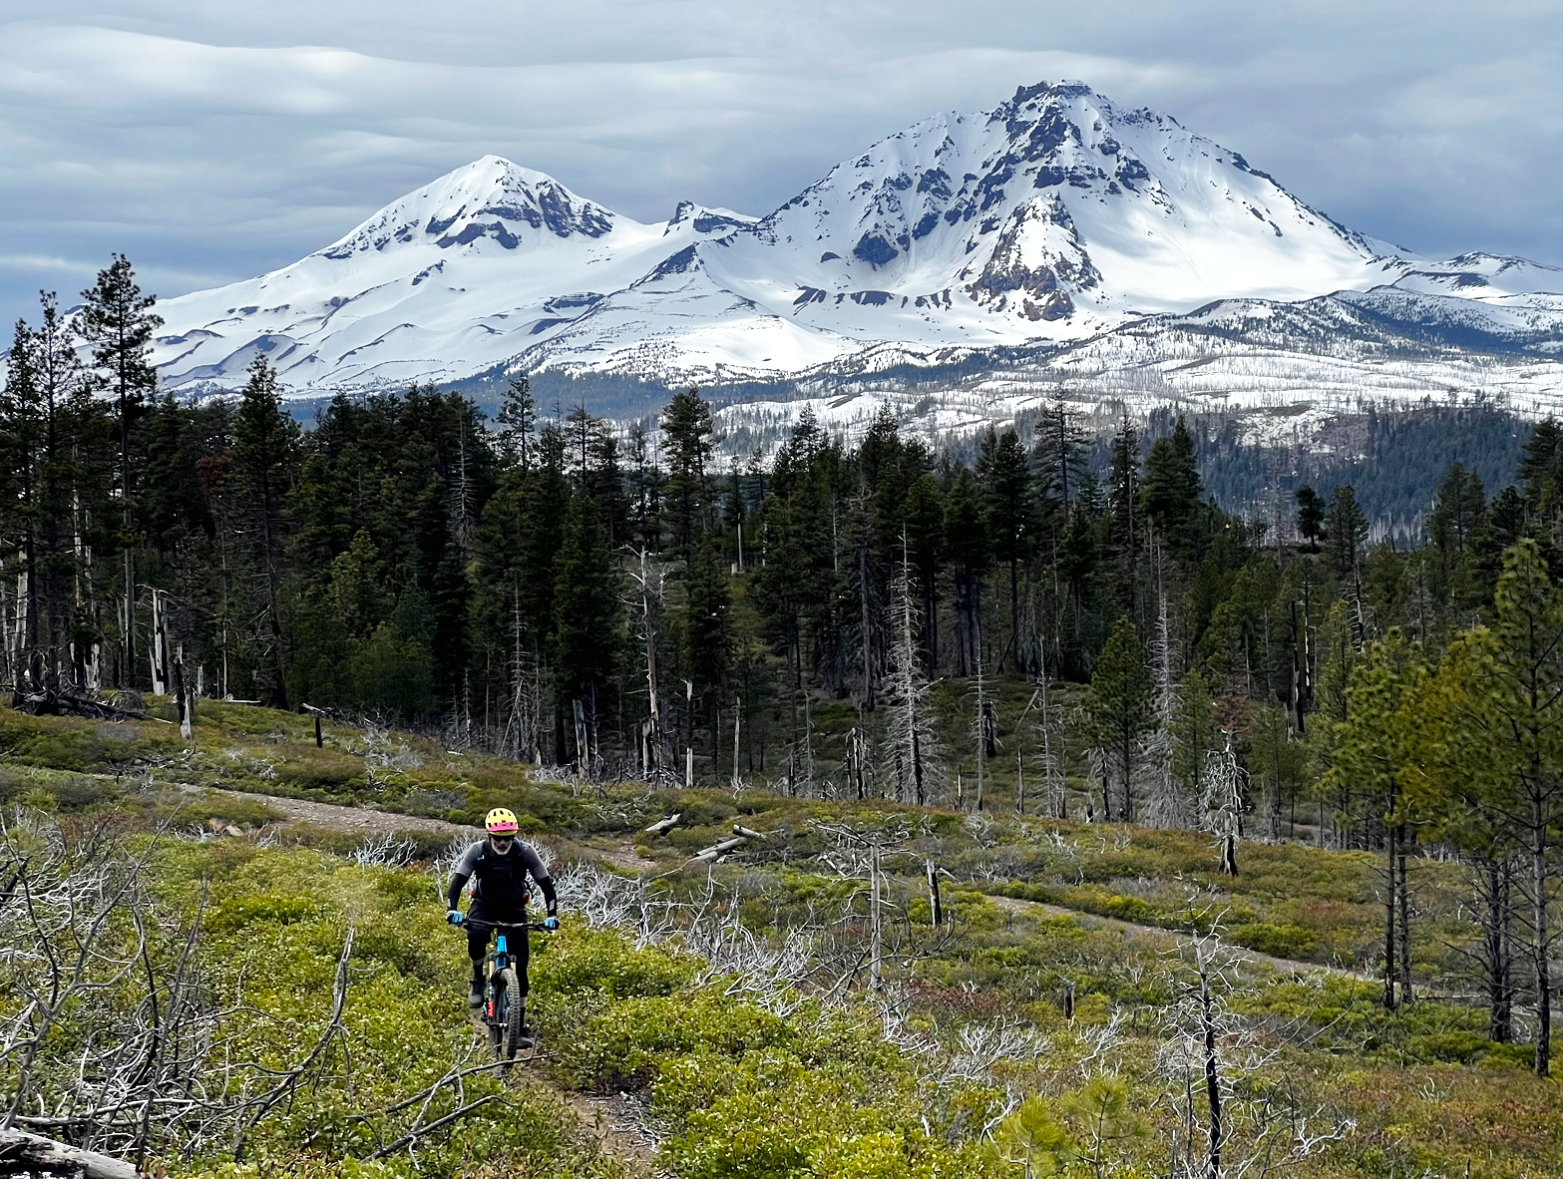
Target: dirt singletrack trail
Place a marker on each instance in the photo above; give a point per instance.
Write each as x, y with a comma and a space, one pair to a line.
370, 823
616, 1123
356, 820
1131, 930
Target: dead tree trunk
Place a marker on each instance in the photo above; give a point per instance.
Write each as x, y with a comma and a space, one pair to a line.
1403, 897
183, 704
23, 1153
1496, 953
876, 966
1389, 919
1212, 1074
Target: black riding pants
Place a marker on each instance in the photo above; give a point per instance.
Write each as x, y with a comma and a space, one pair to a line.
516, 943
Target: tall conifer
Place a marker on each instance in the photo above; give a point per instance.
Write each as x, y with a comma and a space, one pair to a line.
117, 321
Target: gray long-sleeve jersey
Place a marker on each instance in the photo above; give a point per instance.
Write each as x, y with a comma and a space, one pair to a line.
501, 879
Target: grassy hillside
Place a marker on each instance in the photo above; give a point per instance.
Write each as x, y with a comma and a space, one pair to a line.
309, 1011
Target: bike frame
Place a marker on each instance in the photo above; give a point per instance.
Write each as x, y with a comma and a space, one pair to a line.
495, 1001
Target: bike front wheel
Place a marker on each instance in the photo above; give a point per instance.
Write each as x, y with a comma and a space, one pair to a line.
511, 1038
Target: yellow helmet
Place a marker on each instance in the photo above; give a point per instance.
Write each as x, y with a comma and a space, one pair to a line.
500, 821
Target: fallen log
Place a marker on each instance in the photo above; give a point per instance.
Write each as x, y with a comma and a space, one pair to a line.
69, 704
21, 1152
721, 848
663, 826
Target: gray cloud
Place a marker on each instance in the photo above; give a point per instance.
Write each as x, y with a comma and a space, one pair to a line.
211, 141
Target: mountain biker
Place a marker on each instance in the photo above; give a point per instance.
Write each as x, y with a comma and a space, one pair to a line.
498, 867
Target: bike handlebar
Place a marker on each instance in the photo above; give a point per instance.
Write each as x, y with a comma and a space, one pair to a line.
502, 926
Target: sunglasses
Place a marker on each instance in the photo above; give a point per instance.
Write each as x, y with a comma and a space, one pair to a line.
501, 838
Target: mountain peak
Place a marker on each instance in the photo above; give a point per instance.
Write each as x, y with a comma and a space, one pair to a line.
491, 200
707, 221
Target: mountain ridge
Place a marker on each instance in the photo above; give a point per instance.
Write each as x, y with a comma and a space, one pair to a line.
1051, 220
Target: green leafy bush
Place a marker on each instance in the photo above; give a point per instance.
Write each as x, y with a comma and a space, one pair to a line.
1280, 941
620, 1045
585, 960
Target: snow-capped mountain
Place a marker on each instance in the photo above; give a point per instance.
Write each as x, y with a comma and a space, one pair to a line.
1052, 220
453, 278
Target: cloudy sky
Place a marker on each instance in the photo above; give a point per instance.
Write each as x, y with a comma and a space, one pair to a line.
216, 139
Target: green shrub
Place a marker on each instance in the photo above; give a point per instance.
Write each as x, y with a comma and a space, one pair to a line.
621, 1044
769, 1116
320, 771
578, 960
1457, 1047
234, 913
1279, 941
1127, 909
242, 812
405, 888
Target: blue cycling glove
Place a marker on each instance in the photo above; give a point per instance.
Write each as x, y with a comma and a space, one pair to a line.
551, 922
453, 916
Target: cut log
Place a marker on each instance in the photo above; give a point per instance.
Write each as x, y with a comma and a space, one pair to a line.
21, 1152
746, 833
663, 826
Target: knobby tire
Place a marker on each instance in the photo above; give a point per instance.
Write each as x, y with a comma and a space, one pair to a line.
509, 1039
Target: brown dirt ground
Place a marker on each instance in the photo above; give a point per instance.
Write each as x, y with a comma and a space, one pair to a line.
350, 818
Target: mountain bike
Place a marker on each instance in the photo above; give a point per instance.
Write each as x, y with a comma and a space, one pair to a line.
502, 1017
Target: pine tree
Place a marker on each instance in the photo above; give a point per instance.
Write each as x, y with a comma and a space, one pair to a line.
707, 633
264, 463
1079, 557
1432, 724
1007, 484
66, 410
923, 512
1193, 733
645, 493
687, 494
518, 421
1059, 443
735, 514
116, 319
1538, 465
1311, 507
966, 542
1169, 495
1346, 528
1500, 707
1458, 512
1121, 707
586, 617
1125, 527
22, 431
1372, 756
